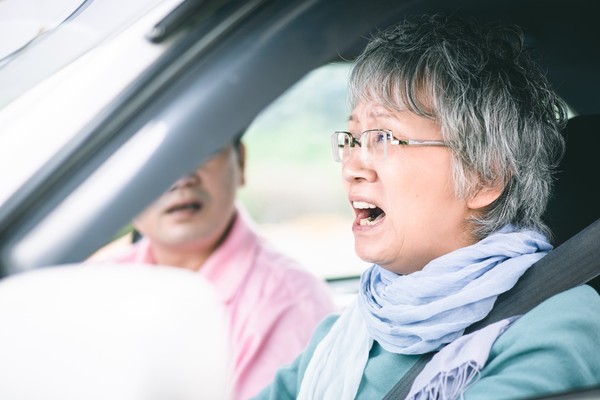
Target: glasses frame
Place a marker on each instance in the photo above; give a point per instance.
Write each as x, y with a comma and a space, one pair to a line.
338, 154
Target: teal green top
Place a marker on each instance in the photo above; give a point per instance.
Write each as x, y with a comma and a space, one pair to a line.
553, 348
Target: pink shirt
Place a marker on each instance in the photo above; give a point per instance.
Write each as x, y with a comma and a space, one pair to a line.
274, 304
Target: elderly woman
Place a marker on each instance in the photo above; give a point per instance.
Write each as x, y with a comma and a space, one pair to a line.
447, 162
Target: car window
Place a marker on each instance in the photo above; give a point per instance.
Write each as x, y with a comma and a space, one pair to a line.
293, 187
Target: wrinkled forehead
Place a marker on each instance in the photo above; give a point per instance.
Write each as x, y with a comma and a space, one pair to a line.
366, 112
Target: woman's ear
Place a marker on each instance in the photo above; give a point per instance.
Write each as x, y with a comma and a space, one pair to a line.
485, 196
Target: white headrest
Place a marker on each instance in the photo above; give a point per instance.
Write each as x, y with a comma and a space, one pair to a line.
112, 332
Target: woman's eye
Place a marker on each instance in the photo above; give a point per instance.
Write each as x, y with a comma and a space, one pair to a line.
381, 137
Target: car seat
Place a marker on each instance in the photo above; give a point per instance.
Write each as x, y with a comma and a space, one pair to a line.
572, 207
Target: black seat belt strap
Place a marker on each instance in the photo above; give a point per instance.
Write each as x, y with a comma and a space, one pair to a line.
401, 389
573, 263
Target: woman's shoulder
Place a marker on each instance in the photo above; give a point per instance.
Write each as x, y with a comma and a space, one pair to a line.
581, 301
556, 315
551, 348
566, 326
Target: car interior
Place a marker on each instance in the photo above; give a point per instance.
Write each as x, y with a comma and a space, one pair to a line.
222, 54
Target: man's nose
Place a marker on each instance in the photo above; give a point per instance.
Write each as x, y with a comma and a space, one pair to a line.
190, 179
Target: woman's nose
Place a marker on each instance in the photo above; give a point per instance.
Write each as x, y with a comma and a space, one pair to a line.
354, 168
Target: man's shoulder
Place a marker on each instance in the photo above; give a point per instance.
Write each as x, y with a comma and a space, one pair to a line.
280, 263
279, 272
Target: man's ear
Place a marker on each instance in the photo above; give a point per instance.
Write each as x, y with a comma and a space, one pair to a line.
485, 196
242, 163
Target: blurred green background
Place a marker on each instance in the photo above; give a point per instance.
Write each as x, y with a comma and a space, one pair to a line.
293, 187
289, 166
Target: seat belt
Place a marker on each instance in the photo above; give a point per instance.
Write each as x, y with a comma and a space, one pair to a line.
575, 262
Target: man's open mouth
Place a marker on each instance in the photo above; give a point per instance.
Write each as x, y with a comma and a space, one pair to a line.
367, 213
190, 206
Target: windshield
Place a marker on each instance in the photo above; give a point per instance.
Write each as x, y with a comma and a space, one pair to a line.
49, 51
39, 38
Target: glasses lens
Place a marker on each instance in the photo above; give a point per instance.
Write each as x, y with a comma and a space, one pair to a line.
375, 145
340, 146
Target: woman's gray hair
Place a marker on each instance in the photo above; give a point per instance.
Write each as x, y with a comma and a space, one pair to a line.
493, 103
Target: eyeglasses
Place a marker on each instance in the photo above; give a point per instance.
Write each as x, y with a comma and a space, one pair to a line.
373, 143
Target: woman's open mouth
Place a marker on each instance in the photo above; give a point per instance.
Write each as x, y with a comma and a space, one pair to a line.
367, 214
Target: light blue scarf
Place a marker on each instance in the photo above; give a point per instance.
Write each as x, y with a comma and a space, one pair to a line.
423, 311
420, 312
